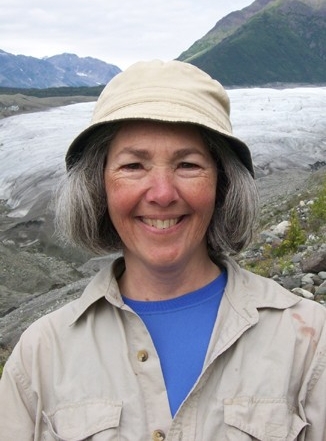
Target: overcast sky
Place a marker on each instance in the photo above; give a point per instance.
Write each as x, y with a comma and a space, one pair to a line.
119, 32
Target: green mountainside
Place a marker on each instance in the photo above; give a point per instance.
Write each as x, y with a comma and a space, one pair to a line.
276, 41
223, 28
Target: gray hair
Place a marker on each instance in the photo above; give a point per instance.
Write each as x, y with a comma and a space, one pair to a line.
237, 202
82, 217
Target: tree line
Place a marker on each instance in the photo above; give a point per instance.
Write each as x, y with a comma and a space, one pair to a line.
54, 91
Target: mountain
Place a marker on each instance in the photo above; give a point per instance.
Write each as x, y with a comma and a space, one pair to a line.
65, 70
268, 42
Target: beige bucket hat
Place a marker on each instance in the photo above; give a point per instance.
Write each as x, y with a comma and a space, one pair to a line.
171, 91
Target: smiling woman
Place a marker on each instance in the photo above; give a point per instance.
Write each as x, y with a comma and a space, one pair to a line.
162, 204
172, 341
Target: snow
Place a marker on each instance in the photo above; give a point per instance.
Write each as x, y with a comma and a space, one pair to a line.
284, 128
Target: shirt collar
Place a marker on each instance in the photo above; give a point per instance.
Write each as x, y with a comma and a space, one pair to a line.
250, 292
104, 284
246, 292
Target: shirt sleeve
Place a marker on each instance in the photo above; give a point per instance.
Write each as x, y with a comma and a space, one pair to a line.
16, 421
315, 404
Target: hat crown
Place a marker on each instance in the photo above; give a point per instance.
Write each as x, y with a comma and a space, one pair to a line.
174, 83
172, 92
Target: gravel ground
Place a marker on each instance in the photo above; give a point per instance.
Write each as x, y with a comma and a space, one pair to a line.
282, 184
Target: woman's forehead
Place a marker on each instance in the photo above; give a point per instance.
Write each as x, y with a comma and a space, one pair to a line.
154, 125
143, 136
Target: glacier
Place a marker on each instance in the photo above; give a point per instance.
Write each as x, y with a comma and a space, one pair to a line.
285, 128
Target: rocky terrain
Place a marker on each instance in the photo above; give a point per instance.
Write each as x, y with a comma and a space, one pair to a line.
293, 255
16, 104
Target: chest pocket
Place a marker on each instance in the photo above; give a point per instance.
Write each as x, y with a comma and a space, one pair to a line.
263, 419
96, 420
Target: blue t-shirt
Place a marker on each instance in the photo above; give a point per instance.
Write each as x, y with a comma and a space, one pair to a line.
181, 329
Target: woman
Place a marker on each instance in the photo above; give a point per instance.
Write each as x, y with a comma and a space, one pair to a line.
174, 341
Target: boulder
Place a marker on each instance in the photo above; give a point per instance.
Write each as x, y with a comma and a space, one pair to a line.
315, 263
281, 229
321, 290
303, 293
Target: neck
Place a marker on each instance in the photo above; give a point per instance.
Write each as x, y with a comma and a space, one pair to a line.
139, 282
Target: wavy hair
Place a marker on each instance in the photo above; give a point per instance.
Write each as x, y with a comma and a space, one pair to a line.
236, 210
82, 217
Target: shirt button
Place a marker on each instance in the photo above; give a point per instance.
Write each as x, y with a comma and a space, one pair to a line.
142, 355
158, 435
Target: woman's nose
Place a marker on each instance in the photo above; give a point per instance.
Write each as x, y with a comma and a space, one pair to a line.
162, 187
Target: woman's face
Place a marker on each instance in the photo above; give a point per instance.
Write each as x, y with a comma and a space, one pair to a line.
160, 183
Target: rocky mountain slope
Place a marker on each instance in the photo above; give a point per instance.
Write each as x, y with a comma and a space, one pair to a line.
270, 41
58, 71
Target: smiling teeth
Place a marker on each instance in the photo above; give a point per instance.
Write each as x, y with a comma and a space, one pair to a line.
161, 224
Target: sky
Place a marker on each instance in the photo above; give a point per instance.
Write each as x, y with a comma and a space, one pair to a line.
119, 32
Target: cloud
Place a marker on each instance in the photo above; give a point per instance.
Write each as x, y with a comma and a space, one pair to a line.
116, 31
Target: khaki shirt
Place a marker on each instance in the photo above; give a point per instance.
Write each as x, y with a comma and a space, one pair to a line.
89, 371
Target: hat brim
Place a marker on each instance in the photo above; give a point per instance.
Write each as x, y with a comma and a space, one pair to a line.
81, 142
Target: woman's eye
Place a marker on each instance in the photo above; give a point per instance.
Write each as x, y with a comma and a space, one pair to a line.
133, 166
188, 165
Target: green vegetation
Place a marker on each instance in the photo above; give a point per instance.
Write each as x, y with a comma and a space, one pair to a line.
295, 236
1, 369
211, 39
263, 266
54, 91
300, 232
270, 47
317, 217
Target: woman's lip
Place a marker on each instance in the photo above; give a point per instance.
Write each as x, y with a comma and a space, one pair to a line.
161, 224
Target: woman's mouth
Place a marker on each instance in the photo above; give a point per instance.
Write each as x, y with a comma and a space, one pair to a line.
161, 224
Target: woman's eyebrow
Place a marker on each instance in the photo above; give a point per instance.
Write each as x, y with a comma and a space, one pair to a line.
181, 153
137, 152
145, 154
